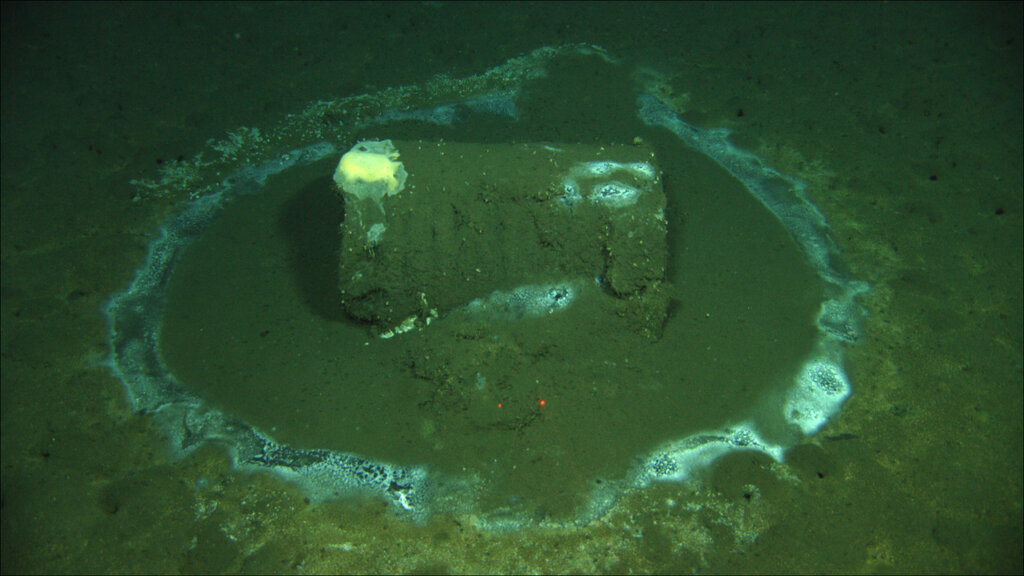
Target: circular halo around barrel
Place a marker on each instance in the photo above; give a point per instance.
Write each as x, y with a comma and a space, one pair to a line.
240, 340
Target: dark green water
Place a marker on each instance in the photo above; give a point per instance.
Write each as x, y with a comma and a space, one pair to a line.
905, 120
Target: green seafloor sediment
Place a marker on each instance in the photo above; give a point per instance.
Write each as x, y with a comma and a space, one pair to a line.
920, 471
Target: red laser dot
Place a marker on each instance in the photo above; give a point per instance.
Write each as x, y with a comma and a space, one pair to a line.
499, 404
542, 402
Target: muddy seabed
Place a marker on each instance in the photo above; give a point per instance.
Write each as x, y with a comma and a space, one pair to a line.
903, 120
